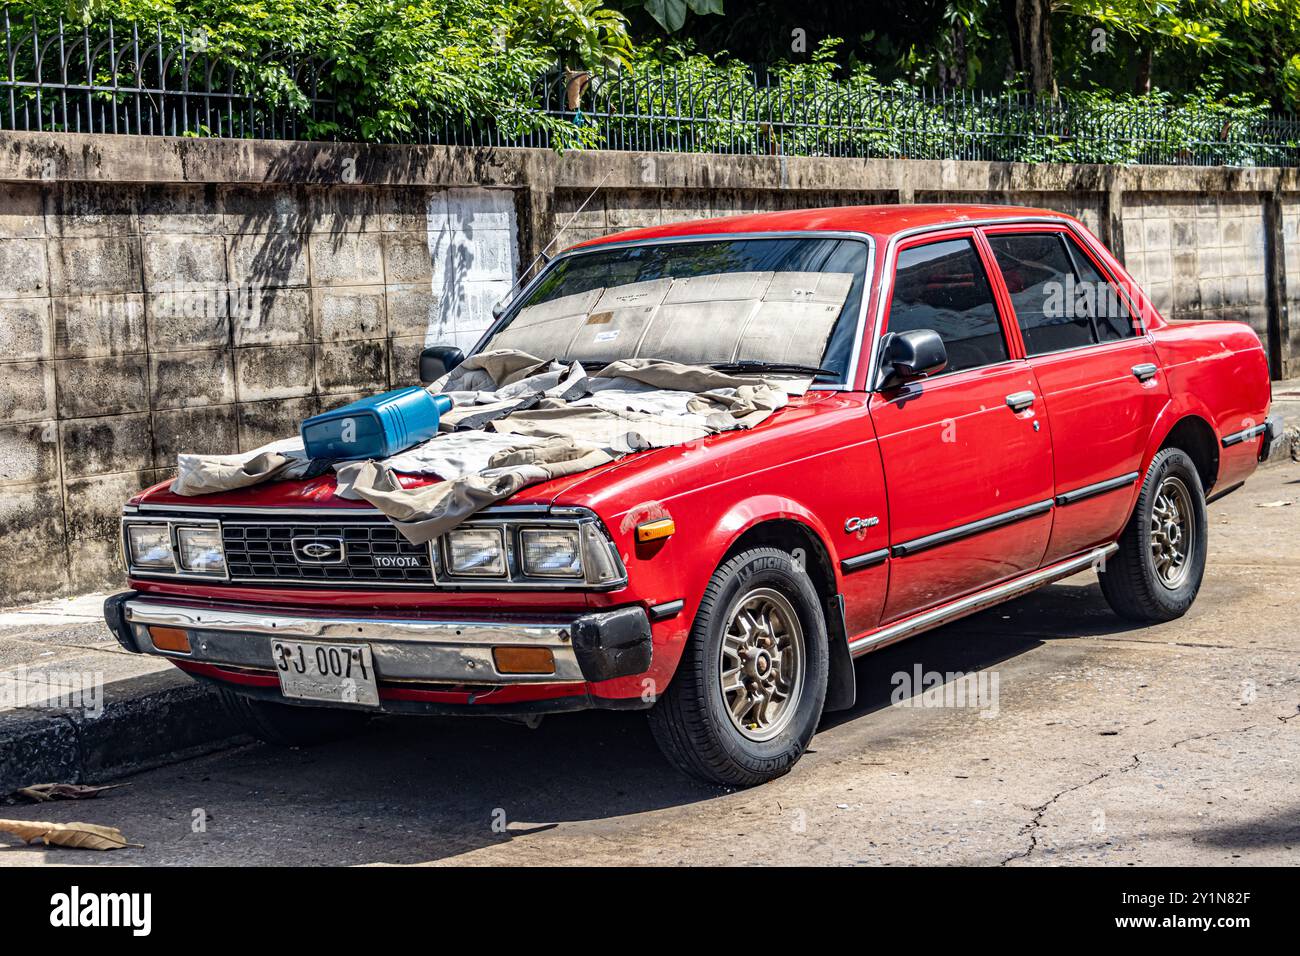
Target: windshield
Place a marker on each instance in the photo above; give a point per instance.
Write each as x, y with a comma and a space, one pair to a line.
791, 301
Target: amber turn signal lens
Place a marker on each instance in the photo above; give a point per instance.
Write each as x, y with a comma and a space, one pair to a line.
170, 639
654, 530
524, 660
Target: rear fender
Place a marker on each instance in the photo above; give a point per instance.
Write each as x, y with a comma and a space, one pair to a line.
1179, 408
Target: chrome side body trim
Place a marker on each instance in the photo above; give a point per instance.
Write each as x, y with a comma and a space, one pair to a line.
863, 561
1100, 488
977, 602
966, 530
1246, 434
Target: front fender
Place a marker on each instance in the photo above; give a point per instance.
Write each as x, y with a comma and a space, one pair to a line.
751, 512
682, 567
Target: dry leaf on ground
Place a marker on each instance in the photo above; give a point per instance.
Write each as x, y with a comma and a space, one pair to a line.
80, 836
43, 792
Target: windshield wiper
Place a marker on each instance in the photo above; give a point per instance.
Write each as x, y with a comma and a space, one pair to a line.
755, 366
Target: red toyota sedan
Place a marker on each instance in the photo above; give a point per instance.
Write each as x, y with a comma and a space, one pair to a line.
982, 401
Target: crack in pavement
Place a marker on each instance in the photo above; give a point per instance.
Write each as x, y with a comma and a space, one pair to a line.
1192, 644
1059, 636
1031, 828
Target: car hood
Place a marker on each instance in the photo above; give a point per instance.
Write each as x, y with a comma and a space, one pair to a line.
605, 483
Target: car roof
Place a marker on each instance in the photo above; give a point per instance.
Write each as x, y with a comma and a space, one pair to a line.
879, 221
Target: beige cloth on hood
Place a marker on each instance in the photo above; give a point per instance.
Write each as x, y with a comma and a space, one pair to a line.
564, 422
209, 474
422, 514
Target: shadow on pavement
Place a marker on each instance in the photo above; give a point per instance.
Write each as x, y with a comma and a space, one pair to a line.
1280, 829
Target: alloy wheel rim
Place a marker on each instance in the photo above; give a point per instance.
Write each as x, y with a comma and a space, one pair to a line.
1173, 532
761, 664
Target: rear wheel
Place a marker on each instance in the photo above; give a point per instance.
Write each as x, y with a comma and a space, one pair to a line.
1157, 571
285, 725
749, 690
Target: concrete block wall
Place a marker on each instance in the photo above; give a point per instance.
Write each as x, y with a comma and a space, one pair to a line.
1199, 256
141, 320
160, 295
1290, 229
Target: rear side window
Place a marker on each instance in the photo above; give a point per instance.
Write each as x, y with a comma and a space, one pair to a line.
1060, 298
943, 286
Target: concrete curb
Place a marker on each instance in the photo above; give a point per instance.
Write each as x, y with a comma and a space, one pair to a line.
1287, 448
146, 722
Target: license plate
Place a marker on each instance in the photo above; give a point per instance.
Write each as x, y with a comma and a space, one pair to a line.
338, 673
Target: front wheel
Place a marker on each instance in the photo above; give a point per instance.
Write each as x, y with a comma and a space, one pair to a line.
749, 690
1157, 571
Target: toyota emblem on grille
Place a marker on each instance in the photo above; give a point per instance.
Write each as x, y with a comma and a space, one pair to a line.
318, 550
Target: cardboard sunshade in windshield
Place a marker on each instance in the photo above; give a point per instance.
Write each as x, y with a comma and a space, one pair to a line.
724, 317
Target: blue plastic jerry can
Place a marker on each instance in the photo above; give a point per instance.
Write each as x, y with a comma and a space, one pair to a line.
375, 427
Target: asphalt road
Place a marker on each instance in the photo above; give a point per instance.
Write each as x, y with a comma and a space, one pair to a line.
1103, 744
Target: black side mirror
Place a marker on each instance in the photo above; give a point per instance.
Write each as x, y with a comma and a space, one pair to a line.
437, 360
906, 356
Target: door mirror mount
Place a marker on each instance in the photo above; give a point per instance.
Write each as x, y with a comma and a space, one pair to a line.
907, 356
437, 360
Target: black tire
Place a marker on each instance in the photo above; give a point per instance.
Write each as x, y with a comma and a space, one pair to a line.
285, 725
1133, 584
691, 722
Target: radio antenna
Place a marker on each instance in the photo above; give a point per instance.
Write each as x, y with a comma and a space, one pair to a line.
542, 256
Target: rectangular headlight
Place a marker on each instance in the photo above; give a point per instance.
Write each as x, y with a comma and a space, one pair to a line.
479, 552
200, 550
149, 547
551, 552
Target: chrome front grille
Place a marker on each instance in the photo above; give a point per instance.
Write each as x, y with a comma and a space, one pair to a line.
353, 552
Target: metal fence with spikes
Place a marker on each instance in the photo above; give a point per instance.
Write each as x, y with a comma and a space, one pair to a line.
138, 81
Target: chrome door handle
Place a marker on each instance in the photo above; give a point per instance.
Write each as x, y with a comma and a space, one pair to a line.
1019, 401
1144, 371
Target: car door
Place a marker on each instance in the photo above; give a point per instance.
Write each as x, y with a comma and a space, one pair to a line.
967, 453
1098, 372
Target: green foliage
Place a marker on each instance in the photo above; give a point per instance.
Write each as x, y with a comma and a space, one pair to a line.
807, 109
393, 69
582, 32
671, 14
391, 66
1250, 46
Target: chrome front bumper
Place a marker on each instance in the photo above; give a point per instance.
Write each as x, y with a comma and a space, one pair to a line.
587, 647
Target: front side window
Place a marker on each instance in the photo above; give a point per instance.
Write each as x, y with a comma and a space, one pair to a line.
1061, 300
942, 286
792, 301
